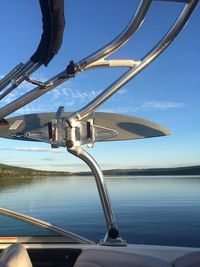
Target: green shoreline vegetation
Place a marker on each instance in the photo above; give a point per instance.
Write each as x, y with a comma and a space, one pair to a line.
18, 172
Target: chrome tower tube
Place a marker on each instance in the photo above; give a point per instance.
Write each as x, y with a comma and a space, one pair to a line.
112, 236
121, 39
18, 77
152, 55
81, 65
93, 165
92, 62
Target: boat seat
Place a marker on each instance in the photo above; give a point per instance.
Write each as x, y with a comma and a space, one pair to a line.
108, 258
15, 255
188, 260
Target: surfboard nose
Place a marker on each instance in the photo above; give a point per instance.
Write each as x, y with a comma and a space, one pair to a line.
141, 129
130, 127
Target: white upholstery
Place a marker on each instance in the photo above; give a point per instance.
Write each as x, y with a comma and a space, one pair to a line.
113, 258
189, 260
15, 256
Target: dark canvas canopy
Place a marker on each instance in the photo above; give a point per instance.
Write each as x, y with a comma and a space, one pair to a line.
53, 27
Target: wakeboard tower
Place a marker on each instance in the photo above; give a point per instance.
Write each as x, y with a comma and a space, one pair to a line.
84, 126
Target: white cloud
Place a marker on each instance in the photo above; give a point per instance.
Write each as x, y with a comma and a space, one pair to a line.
33, 107
74, 98
69, 94
118, 109
160, 105
31, 149
22, 88
143, 106
62, 95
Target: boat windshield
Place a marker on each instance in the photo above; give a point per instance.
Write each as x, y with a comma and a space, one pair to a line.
11, 227
39, 207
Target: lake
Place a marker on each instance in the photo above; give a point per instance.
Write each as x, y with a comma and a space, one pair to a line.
148, 210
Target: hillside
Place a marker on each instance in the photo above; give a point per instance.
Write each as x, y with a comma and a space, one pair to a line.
12, 171
191, 170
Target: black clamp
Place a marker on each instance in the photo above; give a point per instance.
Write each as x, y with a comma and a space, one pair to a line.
71, 70
113, 233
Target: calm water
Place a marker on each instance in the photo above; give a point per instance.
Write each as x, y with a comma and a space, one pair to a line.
161, 210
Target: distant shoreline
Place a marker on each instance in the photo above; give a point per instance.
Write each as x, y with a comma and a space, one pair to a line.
18, 172
189, 170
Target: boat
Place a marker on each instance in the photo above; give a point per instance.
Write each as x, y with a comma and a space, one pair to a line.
56, 246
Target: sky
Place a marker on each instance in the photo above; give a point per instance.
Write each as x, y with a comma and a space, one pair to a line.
167, 92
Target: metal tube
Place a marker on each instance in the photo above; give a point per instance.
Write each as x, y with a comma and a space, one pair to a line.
20, 78
106, 50
32, 95
121, 39
101, 185
6, 80
19, 72
57, 80
128, 63
152, 55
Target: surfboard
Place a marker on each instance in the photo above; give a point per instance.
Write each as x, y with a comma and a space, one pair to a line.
127, 127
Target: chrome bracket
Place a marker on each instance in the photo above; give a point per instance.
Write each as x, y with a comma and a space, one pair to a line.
61, 132
38, 83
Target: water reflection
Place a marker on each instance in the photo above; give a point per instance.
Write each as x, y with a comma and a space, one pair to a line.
13, 227
7, 182
151, 210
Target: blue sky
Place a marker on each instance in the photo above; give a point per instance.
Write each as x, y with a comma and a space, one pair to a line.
167, 92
